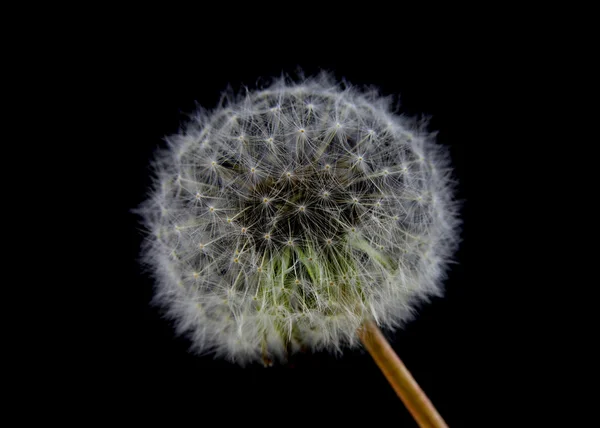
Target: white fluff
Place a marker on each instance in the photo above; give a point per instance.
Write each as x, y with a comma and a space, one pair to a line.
288, 216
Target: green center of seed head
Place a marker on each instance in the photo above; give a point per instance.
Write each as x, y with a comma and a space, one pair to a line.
313, 248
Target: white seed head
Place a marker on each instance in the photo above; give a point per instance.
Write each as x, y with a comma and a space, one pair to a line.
350, 217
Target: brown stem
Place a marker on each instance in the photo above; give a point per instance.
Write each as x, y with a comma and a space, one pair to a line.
400, 378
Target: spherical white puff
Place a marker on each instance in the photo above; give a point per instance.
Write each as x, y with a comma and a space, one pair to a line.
288, 216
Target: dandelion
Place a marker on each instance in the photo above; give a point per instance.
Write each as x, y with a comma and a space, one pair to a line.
302, 215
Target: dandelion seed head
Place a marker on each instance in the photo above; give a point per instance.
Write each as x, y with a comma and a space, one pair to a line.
301, 210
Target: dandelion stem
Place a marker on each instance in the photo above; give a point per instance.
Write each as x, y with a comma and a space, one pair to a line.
399, 377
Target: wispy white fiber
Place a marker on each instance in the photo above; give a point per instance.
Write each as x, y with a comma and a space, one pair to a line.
289, 215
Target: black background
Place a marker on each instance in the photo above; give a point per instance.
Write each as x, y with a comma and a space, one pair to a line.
456, 346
